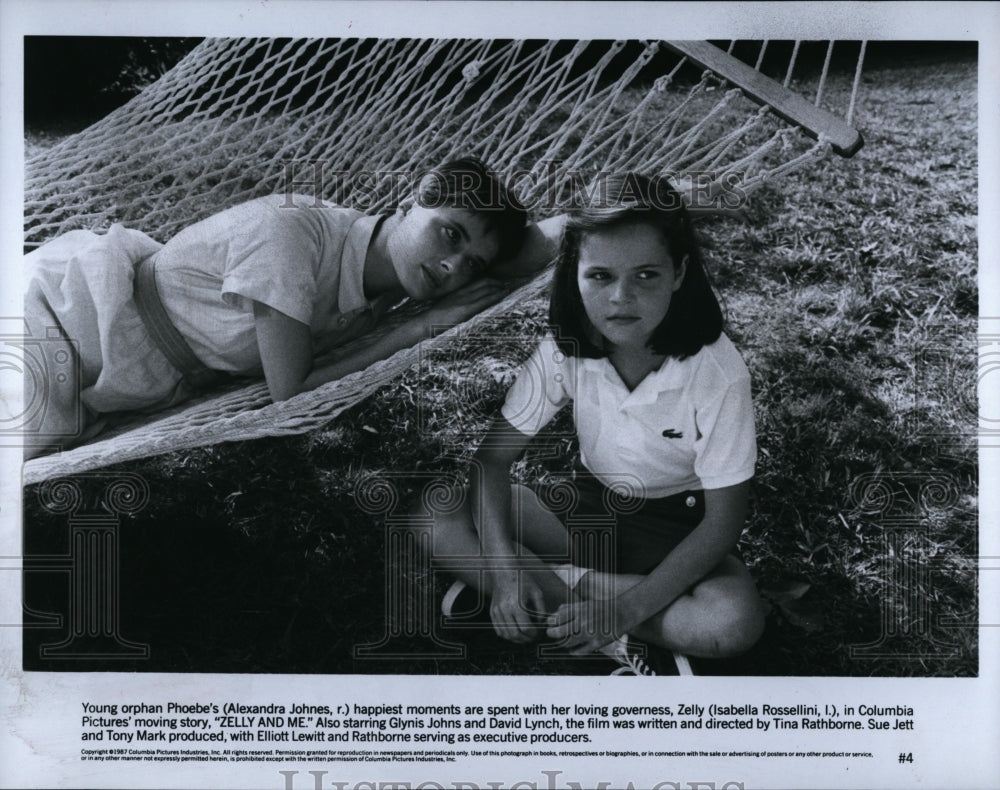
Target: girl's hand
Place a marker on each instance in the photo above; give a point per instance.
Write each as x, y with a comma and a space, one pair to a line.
512, 620
464, 303
586, 626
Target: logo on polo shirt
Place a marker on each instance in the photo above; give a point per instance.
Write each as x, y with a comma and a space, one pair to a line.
670, 433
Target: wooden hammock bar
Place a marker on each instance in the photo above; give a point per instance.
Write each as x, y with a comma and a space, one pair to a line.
788, 106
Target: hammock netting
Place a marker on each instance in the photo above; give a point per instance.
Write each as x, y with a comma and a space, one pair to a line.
355, 122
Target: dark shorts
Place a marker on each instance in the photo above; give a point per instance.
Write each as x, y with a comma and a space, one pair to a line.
613, 530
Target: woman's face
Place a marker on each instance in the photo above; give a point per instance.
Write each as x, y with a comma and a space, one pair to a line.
627, 279
435, 251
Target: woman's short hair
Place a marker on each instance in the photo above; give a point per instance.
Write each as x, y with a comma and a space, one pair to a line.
694, 319
467, 183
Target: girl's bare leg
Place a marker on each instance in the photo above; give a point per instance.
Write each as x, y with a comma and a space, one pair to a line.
538, 534
721, 616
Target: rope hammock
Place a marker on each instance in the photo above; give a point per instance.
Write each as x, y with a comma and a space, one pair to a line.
352, 121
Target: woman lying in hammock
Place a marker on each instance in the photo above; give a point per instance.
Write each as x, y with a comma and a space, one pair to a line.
262, 288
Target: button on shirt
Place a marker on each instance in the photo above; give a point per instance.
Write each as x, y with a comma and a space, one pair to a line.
687, 425
303, 261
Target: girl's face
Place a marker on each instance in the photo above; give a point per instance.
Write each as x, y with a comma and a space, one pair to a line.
435, 251
627, 279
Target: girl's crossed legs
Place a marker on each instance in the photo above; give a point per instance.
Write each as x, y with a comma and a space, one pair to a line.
720, 616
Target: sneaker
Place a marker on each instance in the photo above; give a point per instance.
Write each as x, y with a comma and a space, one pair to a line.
626, 652
464, 605
448, 603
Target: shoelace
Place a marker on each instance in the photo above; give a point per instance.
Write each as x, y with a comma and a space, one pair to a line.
632, 664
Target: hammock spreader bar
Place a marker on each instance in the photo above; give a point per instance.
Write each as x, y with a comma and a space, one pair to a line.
789, 106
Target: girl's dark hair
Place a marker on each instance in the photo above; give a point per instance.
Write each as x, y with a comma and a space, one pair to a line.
694, 319
467, 183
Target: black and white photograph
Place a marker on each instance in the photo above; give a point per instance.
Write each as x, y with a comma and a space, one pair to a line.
440, 394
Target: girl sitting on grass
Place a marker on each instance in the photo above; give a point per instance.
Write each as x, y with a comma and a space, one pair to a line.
661, 404
262, 288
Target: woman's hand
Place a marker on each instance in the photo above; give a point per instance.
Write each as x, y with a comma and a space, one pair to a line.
586, 626
464, 303
512, 619
286, 347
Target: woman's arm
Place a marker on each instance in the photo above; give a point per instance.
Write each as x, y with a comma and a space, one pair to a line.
541, 242
692, 560
539, 248
285, 347
286, 351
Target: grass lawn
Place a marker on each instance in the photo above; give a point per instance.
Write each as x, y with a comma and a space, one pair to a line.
851, 291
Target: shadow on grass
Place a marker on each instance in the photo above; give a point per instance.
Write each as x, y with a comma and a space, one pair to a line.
246, 571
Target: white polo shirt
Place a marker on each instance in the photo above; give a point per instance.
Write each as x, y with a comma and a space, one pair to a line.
278, 250
688, 425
